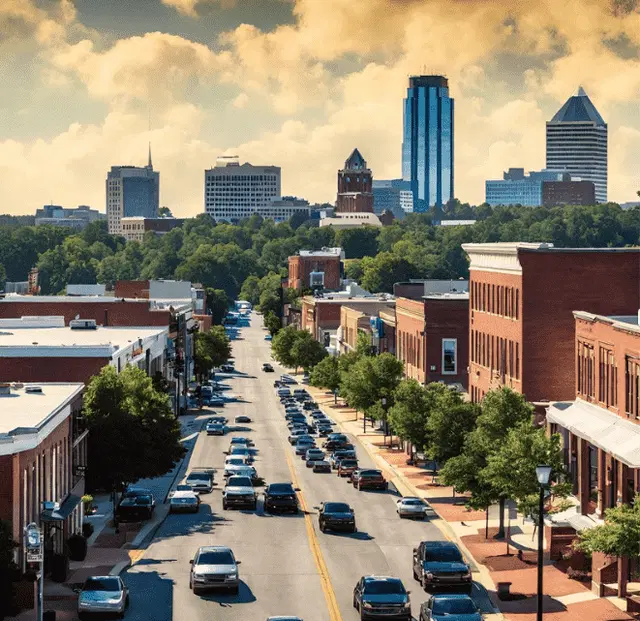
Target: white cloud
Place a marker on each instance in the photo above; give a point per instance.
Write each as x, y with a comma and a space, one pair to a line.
188, 7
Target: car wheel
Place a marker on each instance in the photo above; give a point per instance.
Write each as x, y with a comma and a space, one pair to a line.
323, 528
354, 529
224, 506
415, 575
359, 487
355, 603
423, 582
235, 590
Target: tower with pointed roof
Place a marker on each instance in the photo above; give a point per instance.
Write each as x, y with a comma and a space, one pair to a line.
354, 186
577, 142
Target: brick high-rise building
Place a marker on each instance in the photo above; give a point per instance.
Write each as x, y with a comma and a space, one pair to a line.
522, 298
355, 180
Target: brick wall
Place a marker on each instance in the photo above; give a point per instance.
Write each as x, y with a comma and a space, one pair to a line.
6, 487
410, 343
132, 289
29, 369
300, 269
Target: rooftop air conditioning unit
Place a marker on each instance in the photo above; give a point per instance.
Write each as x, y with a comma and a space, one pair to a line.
83, 324
33, 390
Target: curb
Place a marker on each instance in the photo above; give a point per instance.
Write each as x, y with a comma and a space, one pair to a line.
118, 568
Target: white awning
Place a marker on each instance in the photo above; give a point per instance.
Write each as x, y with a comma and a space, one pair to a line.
599, 427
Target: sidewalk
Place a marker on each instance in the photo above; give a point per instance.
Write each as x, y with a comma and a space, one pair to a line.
111, 552
565, 599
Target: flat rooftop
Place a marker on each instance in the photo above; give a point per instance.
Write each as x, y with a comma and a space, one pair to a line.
109, 298
22, 412
324, 252
452, 295
101, 342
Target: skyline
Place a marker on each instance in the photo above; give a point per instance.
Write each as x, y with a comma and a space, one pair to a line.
296, 84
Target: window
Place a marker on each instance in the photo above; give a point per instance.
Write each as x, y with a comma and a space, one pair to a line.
608, 378
632, 386
449, 356
586, 370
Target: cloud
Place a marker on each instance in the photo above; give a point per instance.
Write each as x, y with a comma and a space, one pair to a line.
241, 101
188, 7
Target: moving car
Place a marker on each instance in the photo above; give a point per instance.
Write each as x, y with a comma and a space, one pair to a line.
288, 379
411, 507
281, 497
440, 564
219, 420
340, 454
135, 505
214, 567
227, 368
267, 368
184, 501
321, 466
242, 419
241, 470
448, 606
241, 440
242, 451
369, 479
295, 434
200, 479
313, 455
239, 492
309, 405
215, 429
382, 596
303, 445
336, 516
217, 402
347, 466
103, 595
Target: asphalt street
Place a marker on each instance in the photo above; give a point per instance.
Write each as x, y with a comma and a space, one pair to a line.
288, 567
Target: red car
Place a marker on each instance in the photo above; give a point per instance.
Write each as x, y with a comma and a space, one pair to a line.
372, 479
347, 466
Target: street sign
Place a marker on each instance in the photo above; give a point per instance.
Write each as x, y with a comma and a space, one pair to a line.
35, 555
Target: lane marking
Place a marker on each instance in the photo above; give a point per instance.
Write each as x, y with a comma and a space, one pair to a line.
314, 544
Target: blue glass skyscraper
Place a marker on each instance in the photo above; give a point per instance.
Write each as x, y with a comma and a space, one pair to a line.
427, 146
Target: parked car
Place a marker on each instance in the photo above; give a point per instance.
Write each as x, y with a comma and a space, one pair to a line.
375, 594
267, 368
440, 565
214, 567
369, 479
184, 501
336, 516
411, 507
347, 466
239, 492
447, 606
281, 496
321, 466
103, 595
135, 506
303, 445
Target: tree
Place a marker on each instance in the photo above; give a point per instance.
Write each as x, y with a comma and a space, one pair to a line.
385, 270
218, 304
326, 374
133, 433
409, 415
3, 277
165, 212
272, 323
306, 351
358, 242
282, 346
448, 427
251, 290
501, 411
212, 349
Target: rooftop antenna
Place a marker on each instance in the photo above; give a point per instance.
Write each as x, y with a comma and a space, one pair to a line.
150, 162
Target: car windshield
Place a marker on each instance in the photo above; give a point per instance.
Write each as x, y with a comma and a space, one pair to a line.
337, 507
412, 502
222, 557
384, 587
240, 451
183, 488
237, 461
102, 584
453, 606
281, 488
370, 473
450, 555
144, 500
239, 481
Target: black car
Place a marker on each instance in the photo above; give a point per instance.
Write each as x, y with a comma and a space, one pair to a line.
336, 516
309, 405
281, 497
333, 445
376, 597
440, 565
267, 368
136, 505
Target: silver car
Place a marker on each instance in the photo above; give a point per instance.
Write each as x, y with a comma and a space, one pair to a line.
103, 594
410, 506
214, 567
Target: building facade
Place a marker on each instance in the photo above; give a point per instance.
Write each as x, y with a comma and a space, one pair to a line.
316, 269
76, 218
558, 193
416, 289
351, 220
366, 321
281, 209
516, 188
432, 338
354, 186
233, 191
392, 195
522, 298
135, 227
577, 141
131, 191
427, 146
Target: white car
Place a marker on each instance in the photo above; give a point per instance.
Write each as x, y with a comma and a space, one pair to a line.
184, 501
236, 460
103, 595
411, 506
239, 492
243, 470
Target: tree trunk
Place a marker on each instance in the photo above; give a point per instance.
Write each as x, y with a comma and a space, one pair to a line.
486, 523
623, 575
500, 533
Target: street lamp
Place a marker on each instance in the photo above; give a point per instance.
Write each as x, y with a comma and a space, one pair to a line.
543, 473
34, 553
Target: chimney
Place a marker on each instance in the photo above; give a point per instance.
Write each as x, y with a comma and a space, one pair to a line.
106, 317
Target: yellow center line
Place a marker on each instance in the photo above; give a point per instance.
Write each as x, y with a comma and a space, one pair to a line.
314, 544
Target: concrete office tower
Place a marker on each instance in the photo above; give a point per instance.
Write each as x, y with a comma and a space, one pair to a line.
427, 147
577, 142
354, 186
233, 192
131, 191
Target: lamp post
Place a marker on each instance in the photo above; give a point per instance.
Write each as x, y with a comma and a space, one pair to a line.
543, 473
34, 554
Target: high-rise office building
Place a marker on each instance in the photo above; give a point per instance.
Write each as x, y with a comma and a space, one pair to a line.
516, 188
131, 191
577, 142
233, 191
427, 146
354, 186
393, 195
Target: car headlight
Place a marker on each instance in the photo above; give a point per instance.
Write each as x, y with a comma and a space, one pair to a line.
367, 604
428, 575
467, 576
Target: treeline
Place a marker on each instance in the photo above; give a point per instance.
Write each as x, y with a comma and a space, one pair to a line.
223, 256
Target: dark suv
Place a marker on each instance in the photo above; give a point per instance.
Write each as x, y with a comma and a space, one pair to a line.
281, 497
376, 597
440, 565
336, 516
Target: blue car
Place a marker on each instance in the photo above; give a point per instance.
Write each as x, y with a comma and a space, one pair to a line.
449, 607
268, 337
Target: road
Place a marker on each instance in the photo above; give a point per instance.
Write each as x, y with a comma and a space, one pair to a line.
288, 566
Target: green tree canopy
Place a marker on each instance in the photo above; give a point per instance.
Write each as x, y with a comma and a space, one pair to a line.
282, 346
272, 323
326, 374
306, 351
448, 427
212, 349
218, 305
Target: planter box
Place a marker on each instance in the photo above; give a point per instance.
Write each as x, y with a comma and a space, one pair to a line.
25, 594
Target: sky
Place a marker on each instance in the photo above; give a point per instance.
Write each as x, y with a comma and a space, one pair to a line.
87, 84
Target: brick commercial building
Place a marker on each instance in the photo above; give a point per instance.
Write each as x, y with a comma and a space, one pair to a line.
432, 337
522, 298
355, 193
367, 321
42, 458
316, 269
416, 288
135, 227
42, 349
